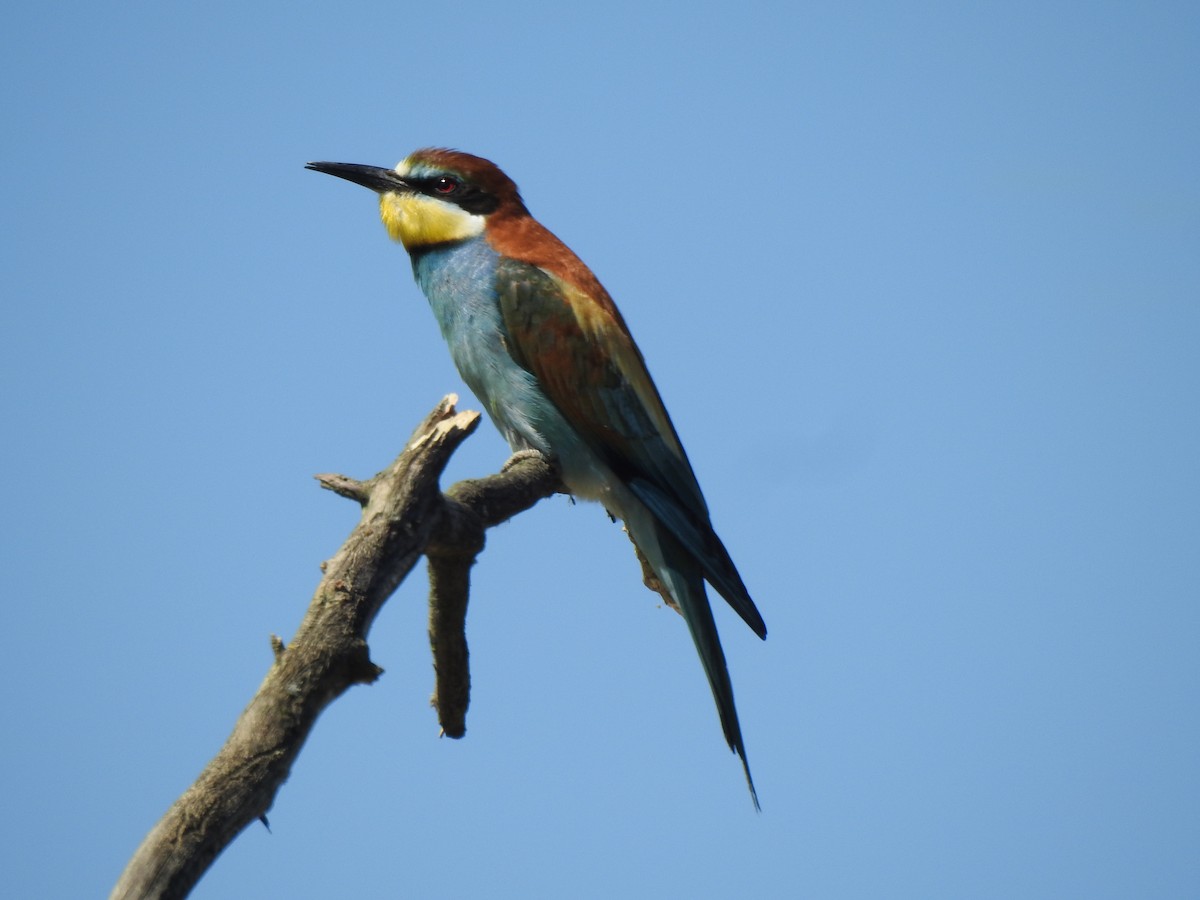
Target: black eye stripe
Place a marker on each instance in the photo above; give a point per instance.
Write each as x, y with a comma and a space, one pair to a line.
451, 189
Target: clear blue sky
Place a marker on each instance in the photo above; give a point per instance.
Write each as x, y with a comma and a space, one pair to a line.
921, 287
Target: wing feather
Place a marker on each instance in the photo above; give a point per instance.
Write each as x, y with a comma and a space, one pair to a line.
588, 365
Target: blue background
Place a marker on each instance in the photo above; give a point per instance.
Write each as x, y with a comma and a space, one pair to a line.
920, 284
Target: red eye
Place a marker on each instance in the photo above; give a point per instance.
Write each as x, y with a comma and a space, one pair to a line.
445, 185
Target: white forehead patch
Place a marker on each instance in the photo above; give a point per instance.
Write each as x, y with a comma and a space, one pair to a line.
407, 169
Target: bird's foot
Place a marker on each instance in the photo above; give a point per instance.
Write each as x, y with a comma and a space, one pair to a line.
520, 456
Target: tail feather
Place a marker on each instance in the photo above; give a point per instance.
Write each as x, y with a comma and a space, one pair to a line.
680, 573
698, 615
702, 543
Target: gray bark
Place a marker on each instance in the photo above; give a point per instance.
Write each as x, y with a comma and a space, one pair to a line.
405, 516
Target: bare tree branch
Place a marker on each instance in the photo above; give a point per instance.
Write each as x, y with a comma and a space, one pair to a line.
404, 516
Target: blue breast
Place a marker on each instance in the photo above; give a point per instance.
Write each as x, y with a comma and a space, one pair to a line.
460, 283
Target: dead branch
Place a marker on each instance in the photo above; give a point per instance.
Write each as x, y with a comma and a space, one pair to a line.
405, 515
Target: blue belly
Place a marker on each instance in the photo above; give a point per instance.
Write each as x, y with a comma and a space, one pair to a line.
460, 283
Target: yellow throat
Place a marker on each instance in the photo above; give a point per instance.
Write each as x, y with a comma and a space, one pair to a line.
417, 220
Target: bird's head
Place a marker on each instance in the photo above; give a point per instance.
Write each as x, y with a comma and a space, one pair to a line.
434, 196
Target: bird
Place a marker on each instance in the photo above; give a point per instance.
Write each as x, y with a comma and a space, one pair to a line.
542, 345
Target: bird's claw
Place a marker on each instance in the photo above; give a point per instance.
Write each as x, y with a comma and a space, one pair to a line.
520, 456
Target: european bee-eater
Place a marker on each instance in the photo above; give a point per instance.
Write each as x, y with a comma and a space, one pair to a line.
543, 347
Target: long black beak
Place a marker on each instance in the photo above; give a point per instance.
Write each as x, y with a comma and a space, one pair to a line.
382, 181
